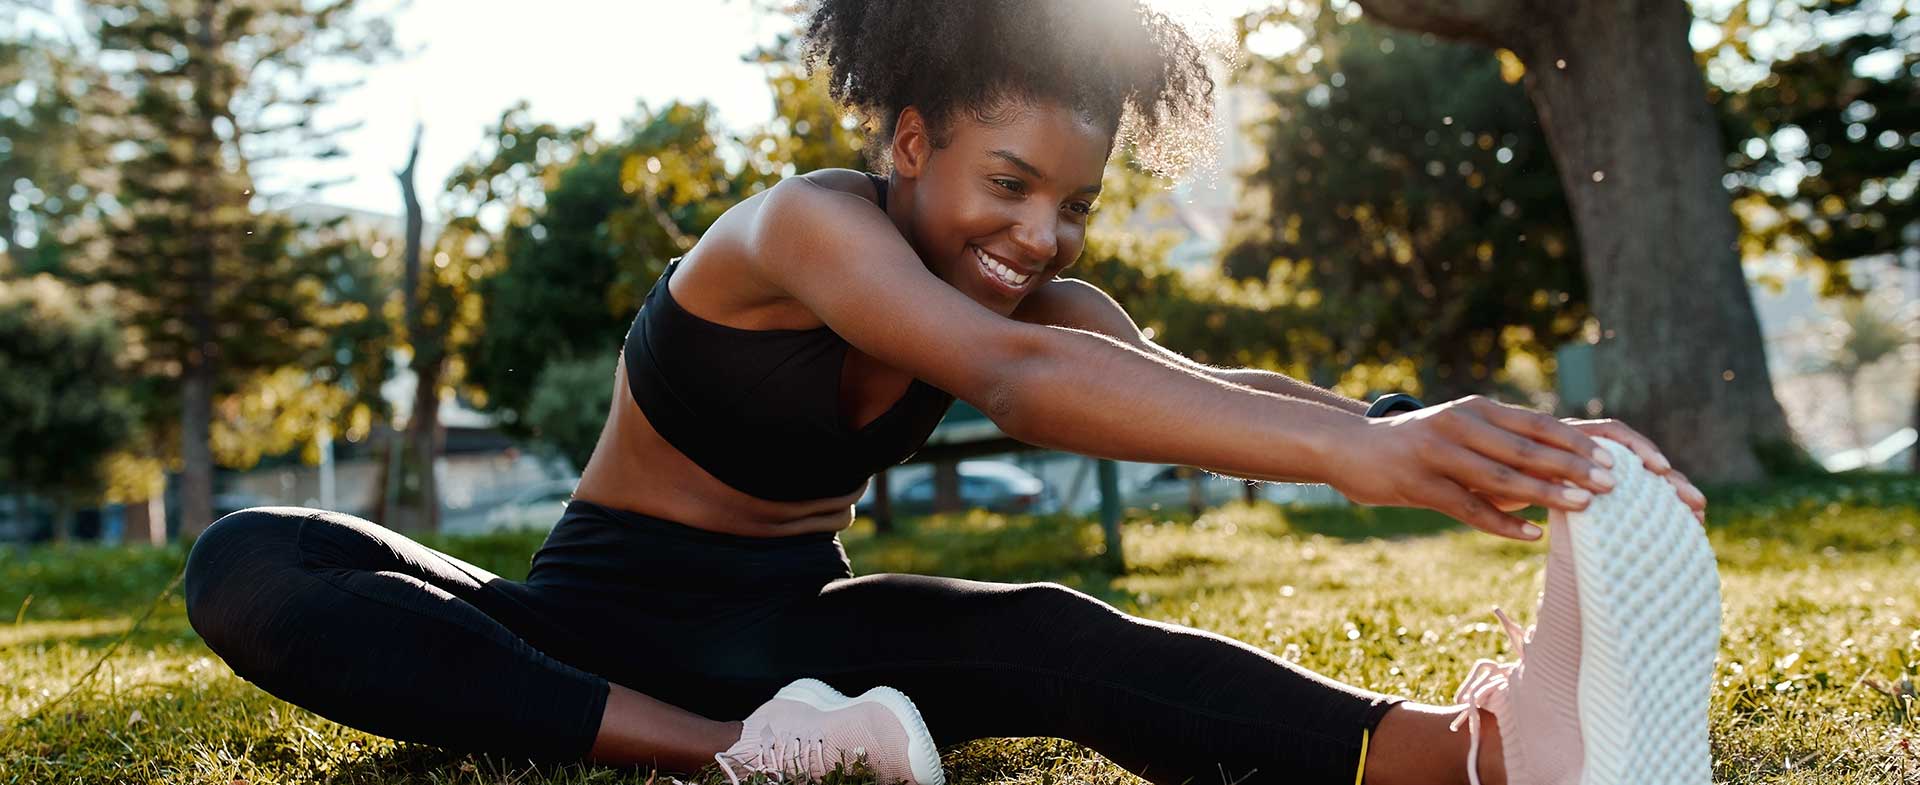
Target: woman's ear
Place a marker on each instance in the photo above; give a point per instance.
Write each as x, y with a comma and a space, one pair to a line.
912, 143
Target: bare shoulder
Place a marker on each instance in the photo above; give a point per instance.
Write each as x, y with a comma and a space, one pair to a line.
846, 181
1074, 303
823, 213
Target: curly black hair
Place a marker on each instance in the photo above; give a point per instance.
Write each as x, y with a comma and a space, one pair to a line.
1128, 67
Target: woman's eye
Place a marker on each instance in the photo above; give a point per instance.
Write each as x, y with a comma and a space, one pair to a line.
1011, 185
1081, 208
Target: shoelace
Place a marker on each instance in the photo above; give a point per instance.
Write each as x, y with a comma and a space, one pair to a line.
785, 759
1486, 688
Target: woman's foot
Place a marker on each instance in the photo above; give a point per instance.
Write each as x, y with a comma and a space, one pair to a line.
1612, 684
809, 728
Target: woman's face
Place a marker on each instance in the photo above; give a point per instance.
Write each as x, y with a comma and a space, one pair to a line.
1002, 208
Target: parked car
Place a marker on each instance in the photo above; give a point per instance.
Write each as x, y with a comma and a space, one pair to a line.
1171, 488
997, 486
539, 505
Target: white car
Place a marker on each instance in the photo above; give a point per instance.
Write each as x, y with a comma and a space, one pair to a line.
991, 485
537, 506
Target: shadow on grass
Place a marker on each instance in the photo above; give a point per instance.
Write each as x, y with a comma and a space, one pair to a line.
1360, 523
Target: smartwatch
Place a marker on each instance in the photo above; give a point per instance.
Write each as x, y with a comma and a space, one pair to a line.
1390, 405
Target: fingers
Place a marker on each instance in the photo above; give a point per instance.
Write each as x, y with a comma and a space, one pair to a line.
1504, 444
1480, 474
1506, 505
1689, 494
1640, 445
1545, 428
1455, 502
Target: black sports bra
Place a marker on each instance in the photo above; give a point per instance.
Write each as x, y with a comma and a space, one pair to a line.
759, 409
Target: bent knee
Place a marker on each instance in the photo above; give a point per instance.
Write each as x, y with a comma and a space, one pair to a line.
232, 562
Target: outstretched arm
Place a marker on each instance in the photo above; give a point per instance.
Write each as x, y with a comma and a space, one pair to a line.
1086, 392
1076, 304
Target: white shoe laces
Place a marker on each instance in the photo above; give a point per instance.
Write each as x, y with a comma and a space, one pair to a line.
786, 757
1486, 688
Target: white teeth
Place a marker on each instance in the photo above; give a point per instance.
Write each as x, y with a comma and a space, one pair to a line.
1006, 274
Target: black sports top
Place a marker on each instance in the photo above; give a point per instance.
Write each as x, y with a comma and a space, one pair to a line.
759, 409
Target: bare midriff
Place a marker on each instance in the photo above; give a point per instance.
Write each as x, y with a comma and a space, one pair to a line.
634, 469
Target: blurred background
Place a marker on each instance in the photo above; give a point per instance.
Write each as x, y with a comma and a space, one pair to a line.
379, 258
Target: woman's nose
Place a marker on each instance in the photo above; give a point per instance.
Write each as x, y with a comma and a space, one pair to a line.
1038, 240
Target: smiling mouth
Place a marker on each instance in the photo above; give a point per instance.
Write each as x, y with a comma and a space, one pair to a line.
999, 272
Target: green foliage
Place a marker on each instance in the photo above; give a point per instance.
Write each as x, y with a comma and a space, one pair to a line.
1408, 200
52, 165
1821, 147
591, 225
570, 404
60, 389
213, 284
1815, 591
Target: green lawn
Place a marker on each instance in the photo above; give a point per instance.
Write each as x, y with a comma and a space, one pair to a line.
1820, 582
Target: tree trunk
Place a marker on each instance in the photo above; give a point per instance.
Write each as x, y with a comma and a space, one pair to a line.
200, 367
62, 523
146, 523
1639, 153
196, 450
946, 486
1196, 491
1914, 454
419, 450
1859, 434
1624, 108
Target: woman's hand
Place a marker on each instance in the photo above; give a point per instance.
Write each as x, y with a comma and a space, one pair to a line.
1471, 457
1649, 455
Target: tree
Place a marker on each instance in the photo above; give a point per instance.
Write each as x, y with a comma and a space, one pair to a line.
570, 404
1823, 143
1640, 158
415, 504
1865, 334
53, 160
216, 291
603, 232
1406, 191
59, 385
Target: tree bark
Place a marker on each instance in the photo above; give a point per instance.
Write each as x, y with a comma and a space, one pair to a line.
1624, 108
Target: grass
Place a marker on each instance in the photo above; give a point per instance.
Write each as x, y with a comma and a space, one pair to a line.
1822, 625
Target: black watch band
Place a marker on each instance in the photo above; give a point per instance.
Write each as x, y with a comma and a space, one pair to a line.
1389, 405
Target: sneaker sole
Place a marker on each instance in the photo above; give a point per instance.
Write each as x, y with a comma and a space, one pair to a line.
922, 755
1650, 616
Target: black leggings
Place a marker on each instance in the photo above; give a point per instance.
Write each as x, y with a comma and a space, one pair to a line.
372, 630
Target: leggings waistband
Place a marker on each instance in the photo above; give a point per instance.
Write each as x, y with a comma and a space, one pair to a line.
598, 545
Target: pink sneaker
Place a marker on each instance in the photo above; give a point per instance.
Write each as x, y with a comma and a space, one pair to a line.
1539, 692
1612, 686
809, 728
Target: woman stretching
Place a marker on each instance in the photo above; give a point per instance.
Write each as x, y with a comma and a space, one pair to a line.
814, 336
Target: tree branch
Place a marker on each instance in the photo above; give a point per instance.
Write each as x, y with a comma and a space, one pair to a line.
1487, 22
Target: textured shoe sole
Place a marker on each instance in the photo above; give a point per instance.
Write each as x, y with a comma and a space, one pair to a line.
1650, 615
922, 755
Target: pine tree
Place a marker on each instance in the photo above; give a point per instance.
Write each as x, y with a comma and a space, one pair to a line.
215, 289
